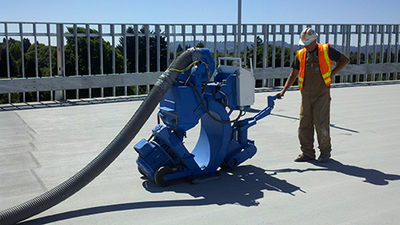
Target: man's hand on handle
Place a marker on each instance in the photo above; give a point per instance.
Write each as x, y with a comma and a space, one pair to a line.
279, 95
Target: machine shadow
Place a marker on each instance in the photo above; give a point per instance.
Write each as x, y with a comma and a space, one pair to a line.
371, 176
242, 186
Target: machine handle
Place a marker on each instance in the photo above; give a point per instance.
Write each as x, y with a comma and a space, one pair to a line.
267, 110
263, 113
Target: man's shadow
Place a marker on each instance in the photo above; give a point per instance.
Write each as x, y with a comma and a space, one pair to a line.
371, 176
243, 186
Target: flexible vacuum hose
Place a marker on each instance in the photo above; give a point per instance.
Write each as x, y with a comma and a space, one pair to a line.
109, 154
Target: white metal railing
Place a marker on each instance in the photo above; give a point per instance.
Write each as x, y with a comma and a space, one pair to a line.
58, 61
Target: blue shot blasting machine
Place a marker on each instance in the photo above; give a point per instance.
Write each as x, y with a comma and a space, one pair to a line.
202, 94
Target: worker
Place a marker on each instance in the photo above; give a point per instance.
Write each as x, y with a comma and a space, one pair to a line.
313, 65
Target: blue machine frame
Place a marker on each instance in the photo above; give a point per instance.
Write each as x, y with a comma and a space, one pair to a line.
222, 142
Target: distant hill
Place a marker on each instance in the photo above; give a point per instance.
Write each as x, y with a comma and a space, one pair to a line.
230, 46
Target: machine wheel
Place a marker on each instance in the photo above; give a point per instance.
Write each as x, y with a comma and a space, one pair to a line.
224, 166
159, 176
233, 163
230, 165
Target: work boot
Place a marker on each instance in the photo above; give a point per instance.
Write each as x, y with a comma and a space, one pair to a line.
324, 158
303, 158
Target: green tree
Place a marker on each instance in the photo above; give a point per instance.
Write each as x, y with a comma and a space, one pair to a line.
83, 64
179, 49
200, 45
14, 48
83, 61
131, 49
43, 61
3, 61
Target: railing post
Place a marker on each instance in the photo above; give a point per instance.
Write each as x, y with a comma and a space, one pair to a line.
60, 94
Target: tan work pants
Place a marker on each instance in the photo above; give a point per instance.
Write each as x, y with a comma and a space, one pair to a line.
314, 111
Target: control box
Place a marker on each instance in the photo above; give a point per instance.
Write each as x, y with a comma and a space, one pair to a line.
244, 81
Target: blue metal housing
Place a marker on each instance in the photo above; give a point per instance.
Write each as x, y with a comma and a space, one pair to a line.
221, 142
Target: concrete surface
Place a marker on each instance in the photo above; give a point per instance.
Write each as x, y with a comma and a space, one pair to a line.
44, 144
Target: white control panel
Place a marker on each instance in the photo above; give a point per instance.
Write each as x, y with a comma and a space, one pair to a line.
244, 81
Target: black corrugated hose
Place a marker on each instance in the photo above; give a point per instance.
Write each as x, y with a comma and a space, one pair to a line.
66, 189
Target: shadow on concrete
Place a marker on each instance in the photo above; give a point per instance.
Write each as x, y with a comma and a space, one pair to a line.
294, 118
75, 102
371, 176
331, 125
242, 186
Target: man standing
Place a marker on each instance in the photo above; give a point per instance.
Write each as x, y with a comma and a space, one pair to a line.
313, 66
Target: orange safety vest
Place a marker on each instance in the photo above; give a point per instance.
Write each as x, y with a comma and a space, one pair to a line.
325, 63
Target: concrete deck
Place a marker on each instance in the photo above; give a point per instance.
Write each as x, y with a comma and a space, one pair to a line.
44, 144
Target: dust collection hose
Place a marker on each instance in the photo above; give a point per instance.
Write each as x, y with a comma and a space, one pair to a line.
109, 154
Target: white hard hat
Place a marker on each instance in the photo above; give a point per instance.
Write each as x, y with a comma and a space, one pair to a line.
307, 36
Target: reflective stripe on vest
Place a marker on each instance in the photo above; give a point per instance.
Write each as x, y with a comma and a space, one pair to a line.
325, 64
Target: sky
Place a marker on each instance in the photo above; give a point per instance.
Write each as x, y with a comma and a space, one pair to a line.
202, 12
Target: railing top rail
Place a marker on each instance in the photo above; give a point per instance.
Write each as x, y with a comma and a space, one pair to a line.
210, 24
